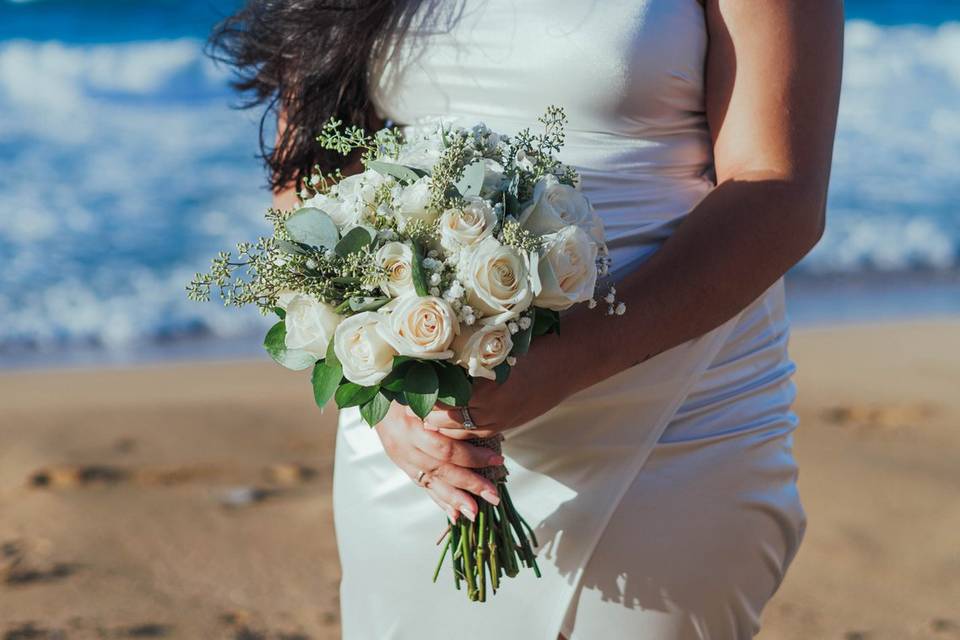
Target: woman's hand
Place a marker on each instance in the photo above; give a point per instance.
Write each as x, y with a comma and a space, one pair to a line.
493, 407
446, 463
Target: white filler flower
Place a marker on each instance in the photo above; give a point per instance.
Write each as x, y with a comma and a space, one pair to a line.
310, 323
421, 327
480, 350
568, 269
365, 356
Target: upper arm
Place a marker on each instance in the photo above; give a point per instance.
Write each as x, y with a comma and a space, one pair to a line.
772, 88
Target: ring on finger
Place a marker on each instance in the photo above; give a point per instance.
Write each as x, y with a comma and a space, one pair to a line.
468, 422
420, 481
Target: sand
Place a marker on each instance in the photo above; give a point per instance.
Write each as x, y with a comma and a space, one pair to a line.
193, 501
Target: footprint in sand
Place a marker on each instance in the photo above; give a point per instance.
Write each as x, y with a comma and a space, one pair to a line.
18, 569
30, 631
886, 417
244, 626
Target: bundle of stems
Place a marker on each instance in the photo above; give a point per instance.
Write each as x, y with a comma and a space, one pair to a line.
494, 545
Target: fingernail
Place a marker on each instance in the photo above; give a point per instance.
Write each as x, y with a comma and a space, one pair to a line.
490, 497
496, 459
471, 516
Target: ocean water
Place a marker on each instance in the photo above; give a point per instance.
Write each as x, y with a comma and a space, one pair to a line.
123, 168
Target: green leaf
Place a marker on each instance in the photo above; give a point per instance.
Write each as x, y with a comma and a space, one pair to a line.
545, 321
417, 274
325, 379
294, 359
393, 381
455, 388
398, 171
355, 240
502, 371
350, 394
521, 341
375, 409
367, 304
281, 313
289, 247
472, 180
420, 388
331, 358
313, 227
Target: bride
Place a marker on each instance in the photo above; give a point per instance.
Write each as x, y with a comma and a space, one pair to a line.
653, 453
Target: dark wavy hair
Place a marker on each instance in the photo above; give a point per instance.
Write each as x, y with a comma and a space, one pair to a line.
306, 61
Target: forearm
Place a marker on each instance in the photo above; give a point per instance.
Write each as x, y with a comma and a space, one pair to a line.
735, 244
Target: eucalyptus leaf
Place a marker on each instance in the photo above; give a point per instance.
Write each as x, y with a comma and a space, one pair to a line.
350, 394
472, 180
398, 171
294, 359
417, 274
355, 240
374, 410
367, 304
290, 247
420, 388
325, 379
455, 388
313, 227
502, 372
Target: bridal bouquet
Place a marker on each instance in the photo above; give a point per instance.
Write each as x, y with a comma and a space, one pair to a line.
437, 264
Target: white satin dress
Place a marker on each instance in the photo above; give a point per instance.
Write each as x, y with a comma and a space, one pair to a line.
664, 498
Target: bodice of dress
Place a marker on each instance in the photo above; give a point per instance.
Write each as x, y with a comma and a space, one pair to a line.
628, 73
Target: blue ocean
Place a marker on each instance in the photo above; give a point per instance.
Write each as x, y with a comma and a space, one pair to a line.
123, 168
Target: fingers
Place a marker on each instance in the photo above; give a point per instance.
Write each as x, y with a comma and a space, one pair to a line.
452, 513
455, 452
443, 419
468, 481
463, 434
447, 493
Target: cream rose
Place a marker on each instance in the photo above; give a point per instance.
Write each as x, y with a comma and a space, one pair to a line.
413, 203
397, 260
568, 269
480, 350
469, 225
350, 201
310, 323
365, 356
421, 327
556, 205
497, 280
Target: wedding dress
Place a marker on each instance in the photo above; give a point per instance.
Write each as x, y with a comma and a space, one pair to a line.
664, 498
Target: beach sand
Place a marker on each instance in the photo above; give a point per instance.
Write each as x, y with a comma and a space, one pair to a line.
193, 501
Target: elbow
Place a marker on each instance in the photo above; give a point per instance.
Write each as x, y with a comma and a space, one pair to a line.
806, 218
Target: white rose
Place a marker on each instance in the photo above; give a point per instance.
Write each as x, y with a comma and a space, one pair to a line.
568, 269
556, 205
412, 203
365, 356
310, 323
421, 327
497, 280
480, 350
344, 214
351, 201
466, 226
397, 259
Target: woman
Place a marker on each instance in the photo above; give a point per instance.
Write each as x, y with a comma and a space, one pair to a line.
652, 453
